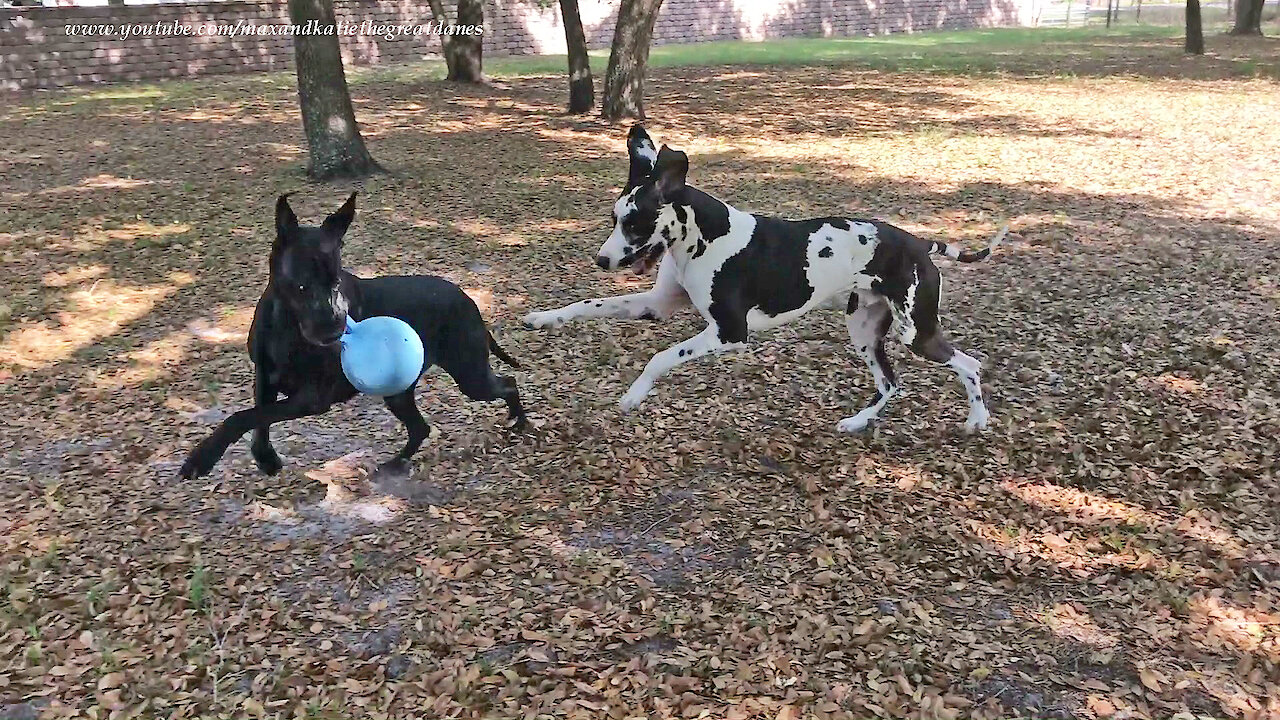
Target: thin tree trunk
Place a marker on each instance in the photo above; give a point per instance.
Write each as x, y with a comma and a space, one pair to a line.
335, 146
468, 49
463, 53
1137, 16
582, 92
1068, 13
1248, 17
1109, 12
624, 79
1195, 33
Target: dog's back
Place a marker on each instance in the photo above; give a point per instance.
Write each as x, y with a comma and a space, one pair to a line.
423, 301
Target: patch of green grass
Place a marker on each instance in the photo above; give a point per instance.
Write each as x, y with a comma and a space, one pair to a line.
198, 588
958, 51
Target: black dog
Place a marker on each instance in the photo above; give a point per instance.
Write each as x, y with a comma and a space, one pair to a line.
294, 340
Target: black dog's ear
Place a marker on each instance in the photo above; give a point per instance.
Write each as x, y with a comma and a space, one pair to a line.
669, 172
643, 154
286, 221
336, 224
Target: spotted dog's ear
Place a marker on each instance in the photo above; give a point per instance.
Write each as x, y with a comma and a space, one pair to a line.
643, 154
669, 172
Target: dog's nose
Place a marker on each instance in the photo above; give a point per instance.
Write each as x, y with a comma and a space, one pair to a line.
603, 262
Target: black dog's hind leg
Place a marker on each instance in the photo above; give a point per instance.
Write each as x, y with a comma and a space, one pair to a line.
511, 394
483, 384
263, 454
466, 359
406, 411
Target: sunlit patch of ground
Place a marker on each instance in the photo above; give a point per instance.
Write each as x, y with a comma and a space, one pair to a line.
1108, 548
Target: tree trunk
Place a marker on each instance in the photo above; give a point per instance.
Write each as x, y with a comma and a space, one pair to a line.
1137, 16
335, 146
1195, 34
1109, 2
624, 79
116, 3
1248, 17
582, 93
463, 53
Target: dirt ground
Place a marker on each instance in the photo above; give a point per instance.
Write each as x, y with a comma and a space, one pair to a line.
1108, 548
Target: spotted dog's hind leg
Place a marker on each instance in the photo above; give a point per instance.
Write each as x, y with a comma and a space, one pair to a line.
919, 329
868, 319
935, 347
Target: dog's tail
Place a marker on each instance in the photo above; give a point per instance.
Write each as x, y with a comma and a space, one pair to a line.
502, 354
967, 256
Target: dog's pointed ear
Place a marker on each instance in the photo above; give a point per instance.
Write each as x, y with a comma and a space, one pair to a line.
286, 221
643, 154
669, 171
336, 224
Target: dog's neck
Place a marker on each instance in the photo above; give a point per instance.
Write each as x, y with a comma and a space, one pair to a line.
691, 222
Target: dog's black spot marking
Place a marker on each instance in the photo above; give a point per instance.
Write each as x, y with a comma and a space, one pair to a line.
709, 214
825, 252
852, 306
667, 236
647, 314
682, 352
681, 214
769, 274
863, 239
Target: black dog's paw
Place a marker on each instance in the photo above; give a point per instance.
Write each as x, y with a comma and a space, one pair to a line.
201, 460
267, 459
195, 466
395, 467
519, 424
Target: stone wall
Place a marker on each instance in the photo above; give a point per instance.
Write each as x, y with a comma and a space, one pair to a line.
37, 52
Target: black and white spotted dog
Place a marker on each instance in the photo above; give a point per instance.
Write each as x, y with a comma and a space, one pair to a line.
746, 272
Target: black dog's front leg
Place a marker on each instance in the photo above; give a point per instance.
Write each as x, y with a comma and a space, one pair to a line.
210, 450
263, 454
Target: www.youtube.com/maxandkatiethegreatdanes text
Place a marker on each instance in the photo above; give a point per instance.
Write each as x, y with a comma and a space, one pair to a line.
250, 28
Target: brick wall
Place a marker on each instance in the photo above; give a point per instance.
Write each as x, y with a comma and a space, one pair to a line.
36, 51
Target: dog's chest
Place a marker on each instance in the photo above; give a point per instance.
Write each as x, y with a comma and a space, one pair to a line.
295, 364
699, 259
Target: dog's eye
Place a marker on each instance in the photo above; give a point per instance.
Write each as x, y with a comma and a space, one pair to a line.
302, 288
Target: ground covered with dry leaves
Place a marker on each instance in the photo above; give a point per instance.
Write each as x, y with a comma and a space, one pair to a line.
1108, 548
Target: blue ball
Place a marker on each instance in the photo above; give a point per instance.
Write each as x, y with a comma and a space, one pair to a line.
381, 355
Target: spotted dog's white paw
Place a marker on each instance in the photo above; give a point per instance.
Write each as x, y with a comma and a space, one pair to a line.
545, 319
857, 423
978, 419
634, 397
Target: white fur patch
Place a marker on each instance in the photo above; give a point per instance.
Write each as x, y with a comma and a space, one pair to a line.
646, 150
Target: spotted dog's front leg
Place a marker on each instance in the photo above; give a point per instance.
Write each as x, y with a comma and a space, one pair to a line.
658, 303
704, 343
